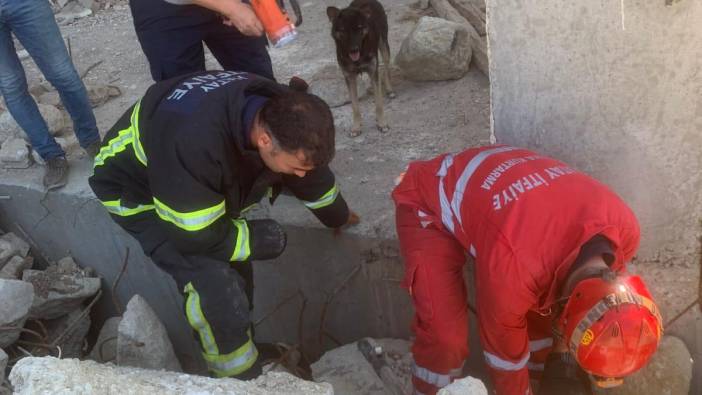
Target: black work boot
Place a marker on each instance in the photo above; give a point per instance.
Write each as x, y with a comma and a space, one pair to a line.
56, 174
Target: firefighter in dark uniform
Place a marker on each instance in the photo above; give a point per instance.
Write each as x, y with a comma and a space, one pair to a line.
172, 32
181, 166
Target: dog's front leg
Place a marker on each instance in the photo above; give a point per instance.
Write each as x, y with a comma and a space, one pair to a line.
351, 84
378, 90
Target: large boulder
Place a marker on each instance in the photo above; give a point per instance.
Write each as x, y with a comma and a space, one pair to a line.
59, 291
435, 50
105, 348
668, 373
16, 299
73, 377
142, 340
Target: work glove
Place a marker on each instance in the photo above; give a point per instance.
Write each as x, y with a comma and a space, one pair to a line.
267, 239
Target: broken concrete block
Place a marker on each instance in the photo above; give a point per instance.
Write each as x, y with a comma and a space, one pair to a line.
101, 94
14, 154
15, 301
328, 83
14, 268
50, 375
8, 127
437, 42
11, 245
105, 348
58, 293
348, 371
668, 373
142, 340
465, 386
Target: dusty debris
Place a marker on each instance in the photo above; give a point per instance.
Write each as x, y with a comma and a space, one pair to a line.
443, 44
668, 373
14, 154
14, 268
15, 301
348, 371
73, 328
105, 348
142, 340
58, 293
72, 11
70, 376
50, 99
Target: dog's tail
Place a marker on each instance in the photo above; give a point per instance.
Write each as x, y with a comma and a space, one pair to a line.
298, 84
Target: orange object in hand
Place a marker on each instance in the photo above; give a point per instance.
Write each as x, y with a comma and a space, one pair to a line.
276, 22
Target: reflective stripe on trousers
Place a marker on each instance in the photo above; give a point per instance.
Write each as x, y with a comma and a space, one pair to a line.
221, 365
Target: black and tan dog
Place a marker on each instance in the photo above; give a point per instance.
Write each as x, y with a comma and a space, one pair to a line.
360, 31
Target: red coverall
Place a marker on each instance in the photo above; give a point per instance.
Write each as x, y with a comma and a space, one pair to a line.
523, 217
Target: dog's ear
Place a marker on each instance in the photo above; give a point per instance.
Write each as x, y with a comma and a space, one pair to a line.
332, 13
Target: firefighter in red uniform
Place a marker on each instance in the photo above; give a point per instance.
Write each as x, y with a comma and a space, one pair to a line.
550, 246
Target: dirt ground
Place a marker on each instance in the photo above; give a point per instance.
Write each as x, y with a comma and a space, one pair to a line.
426, 118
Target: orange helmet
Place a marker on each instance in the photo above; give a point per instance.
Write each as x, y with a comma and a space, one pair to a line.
611, 326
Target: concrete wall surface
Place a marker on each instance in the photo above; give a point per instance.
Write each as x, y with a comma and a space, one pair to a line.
614, 87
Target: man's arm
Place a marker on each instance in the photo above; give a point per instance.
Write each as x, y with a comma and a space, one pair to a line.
236, 13
319, 192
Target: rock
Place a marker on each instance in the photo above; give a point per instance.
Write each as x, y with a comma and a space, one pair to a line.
8, 128
50, 99
15, 301
14, 246
442, 44
14, 268
478, 43
101, 94
328, 83
668, 373
37, 90
14, 154
3, 364
72, 11
465, 386
348, 371
92, 5
105, 349
142, 340
58, 293
473, 13
50, 375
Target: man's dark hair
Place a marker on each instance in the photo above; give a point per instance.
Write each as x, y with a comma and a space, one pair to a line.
299, 120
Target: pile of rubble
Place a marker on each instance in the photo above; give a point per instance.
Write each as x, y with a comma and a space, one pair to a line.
42, 312
68, 11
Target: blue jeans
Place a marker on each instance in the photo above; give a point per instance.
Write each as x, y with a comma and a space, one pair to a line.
33, 23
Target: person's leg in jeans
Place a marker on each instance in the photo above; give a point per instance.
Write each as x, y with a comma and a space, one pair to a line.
13, 86
33, 23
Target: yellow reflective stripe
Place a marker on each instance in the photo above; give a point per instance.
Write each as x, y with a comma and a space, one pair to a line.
191, 221
249, 208
197, 320
326, 199
114, 146
115, 207
242, 250
138, 149
233, 363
